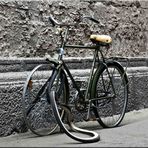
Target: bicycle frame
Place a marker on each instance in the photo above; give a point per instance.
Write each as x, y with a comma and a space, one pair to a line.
63, 65
99, 93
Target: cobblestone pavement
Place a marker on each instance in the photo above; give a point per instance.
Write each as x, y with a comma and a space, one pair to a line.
133, 132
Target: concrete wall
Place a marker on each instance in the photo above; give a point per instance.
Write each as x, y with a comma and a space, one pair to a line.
26, 32
14, 71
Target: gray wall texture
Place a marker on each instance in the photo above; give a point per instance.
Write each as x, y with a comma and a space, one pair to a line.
26, 32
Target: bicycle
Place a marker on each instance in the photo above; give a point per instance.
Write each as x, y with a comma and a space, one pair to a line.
107, 79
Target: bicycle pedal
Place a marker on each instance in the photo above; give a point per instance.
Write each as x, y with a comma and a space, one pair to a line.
90, 119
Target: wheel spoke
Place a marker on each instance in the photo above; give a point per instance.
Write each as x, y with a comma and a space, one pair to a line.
38, 113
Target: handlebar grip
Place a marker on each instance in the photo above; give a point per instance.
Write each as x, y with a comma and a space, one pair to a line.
51, 20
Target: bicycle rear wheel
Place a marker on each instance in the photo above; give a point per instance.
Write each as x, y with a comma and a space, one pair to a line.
67, 124
37, 112
110, 88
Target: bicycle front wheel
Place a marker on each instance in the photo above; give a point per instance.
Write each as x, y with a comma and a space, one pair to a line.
110, 92
37, 112
63, 110
74, 132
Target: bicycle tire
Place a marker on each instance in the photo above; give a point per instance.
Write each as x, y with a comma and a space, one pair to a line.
37, 112
110, 112
69, 120
94, 136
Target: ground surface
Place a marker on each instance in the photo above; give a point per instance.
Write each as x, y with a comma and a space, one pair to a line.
133, 132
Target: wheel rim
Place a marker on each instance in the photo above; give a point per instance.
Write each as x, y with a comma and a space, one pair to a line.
111, 111
37, 111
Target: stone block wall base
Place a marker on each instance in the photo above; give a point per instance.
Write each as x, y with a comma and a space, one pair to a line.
12, 82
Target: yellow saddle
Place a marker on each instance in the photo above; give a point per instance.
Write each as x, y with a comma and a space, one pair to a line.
101, 38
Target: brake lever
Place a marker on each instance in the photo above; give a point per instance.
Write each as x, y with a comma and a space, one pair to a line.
94, 20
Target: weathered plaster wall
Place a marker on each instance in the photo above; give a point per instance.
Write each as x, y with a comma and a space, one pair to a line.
25, 32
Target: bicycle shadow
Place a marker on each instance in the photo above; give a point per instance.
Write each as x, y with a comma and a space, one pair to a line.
134, 116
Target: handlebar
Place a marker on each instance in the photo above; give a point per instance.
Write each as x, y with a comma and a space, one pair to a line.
55, 22
92, 19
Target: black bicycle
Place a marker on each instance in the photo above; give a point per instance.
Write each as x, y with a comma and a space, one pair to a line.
47, 101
